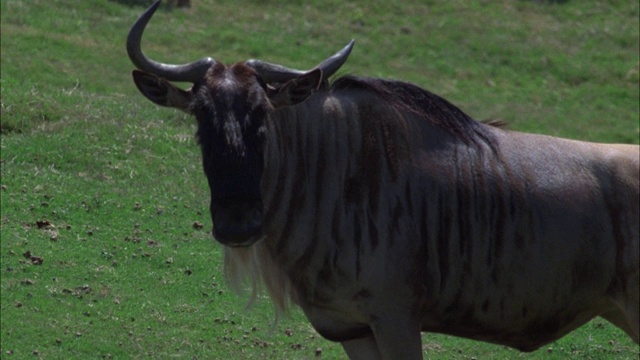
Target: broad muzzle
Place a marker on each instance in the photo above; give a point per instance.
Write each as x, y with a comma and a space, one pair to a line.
239, 223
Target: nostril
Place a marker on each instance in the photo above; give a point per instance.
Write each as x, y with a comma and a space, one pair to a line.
238, 222
237, 214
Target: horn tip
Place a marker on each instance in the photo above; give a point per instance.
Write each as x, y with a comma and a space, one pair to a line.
347, 49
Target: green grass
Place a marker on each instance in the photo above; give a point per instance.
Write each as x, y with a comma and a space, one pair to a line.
125, 274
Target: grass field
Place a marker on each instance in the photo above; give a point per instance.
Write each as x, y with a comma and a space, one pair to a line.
106, 250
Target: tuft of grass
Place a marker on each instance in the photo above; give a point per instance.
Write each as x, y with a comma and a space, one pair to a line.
104, 227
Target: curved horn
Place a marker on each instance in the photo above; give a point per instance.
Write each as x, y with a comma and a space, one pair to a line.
333, 63
278, 73
273, 73
191, 72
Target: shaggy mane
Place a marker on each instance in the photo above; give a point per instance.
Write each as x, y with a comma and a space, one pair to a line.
253, 267
407, 97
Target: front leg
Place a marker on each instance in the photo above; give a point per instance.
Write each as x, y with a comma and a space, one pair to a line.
398, 337
362, 349
392, 339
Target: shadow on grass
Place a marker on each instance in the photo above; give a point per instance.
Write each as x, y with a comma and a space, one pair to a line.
147, 3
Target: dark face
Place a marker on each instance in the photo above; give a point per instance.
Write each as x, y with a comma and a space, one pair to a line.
230, 105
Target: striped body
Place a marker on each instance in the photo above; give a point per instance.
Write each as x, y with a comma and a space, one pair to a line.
500, 236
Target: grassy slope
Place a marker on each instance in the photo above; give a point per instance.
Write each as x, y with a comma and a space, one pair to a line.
126, 273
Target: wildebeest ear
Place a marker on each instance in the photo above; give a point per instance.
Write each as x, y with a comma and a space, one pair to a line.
297, 89
161, 91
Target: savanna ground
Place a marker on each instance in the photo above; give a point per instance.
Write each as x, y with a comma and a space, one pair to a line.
106, 249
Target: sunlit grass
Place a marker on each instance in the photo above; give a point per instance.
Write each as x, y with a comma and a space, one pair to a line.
128, 268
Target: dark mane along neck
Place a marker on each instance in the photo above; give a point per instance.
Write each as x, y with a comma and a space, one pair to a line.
406, 97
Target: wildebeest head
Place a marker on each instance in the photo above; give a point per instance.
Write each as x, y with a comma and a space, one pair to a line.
230, 104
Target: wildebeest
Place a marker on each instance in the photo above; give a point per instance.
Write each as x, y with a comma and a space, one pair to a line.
382, 210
